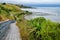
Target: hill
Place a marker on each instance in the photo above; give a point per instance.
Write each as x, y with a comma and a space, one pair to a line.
23, 6
8, 11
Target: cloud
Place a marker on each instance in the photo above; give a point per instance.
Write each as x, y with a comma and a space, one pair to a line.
33, 1
38, 1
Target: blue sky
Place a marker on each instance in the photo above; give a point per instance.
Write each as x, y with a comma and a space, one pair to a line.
32, 1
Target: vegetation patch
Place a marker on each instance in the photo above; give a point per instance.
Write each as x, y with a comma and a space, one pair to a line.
8, 11
45, 29
39, 29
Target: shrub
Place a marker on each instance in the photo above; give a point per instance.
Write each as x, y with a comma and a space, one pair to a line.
45, 29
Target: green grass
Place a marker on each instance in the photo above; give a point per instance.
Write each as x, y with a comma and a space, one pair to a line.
9, 11
45, 29
39, 29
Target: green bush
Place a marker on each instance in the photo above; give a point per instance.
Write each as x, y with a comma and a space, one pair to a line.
45, 29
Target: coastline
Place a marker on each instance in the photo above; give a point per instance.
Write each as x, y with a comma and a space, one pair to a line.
50, 16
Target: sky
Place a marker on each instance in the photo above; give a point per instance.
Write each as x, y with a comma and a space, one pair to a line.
32, 1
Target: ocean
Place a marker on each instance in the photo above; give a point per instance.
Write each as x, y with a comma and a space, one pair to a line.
50, 13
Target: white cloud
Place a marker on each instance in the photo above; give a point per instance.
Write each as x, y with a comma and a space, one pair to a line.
33, 1
39, 1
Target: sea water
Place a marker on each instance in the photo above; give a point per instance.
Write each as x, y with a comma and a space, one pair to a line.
51, 13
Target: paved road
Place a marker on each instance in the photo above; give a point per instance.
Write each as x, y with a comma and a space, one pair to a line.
13, 33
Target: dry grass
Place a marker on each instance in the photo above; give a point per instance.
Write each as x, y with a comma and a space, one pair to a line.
24, 29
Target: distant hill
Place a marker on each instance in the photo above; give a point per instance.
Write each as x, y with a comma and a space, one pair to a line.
23, 6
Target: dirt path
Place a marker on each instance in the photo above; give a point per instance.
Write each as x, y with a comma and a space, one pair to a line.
13, 33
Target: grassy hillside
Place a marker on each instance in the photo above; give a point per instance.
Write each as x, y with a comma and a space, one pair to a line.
7, 11
39, 29
45, 29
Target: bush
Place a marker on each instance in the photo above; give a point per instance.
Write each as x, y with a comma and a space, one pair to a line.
3, 3
45, 29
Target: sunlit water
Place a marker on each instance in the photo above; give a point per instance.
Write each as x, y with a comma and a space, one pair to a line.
52, 13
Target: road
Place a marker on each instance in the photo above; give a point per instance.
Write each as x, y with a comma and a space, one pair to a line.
13, 33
